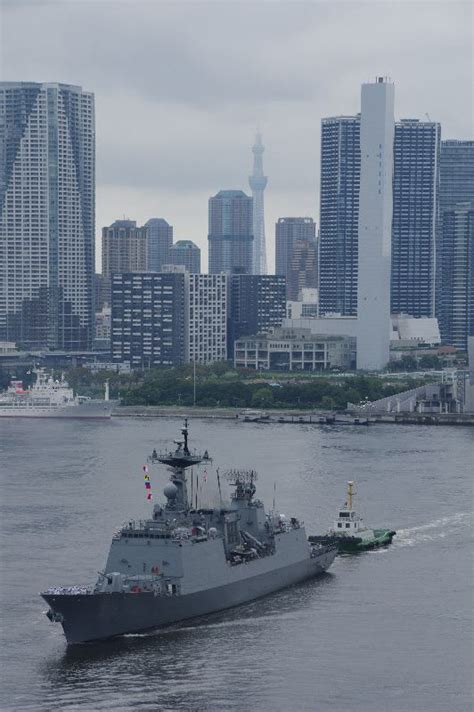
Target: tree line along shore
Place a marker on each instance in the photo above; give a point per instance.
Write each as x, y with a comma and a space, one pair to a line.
219, 385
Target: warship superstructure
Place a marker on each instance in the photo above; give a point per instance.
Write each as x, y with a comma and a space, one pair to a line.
187, 561
50, 398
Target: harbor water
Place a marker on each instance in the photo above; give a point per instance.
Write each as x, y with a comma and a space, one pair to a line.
386, 631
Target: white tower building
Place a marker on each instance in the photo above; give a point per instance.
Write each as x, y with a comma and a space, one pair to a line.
258, 183
375, 224
207, 318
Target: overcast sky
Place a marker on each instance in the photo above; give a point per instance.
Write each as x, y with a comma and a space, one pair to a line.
180, 88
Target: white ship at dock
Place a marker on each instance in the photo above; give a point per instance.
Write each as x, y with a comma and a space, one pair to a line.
50, 398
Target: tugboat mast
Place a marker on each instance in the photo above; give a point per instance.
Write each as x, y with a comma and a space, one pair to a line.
350, 493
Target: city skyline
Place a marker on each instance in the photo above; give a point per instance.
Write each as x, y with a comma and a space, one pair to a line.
186, 110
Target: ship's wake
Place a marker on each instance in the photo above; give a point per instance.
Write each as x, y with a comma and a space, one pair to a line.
435, 530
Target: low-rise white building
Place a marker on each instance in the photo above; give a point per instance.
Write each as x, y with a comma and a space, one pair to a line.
306, 306
294, 349
410, 331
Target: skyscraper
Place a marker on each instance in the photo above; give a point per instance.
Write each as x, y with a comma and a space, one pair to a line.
415, 205
339, 214
375, 223
303, 268
124, 248
258, 183
159, 237
287, 232
457, 285
230, 233
186, 253
47, 196
456, 188
456, 173
415, 213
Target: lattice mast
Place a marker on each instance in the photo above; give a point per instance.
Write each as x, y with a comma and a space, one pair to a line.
258, 182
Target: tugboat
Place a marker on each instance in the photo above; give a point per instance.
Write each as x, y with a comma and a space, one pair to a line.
187, 561
350, 533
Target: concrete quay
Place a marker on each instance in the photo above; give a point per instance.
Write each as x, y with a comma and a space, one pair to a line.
295, 416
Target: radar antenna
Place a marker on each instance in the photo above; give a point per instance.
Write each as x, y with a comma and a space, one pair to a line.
243, 481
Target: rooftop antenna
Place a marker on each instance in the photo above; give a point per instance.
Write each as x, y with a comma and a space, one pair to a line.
219, 486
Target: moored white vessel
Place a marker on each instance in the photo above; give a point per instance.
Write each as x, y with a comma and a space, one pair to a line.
50, 398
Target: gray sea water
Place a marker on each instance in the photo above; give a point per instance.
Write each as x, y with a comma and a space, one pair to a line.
389, 631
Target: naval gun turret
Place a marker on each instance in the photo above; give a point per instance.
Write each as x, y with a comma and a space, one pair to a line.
178, 462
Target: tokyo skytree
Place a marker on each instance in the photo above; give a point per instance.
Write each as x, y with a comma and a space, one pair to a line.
258, 182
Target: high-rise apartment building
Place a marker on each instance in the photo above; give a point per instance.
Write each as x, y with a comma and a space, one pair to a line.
339, 214
207, 323
456, 174
124, 248
415, 217
47, 203
287, 232
258, 183
457, 285
159, 240
303, 268
415, 206
186, 253
456, 187
230, 233
169, 318
375, 224
257, 303
149, 319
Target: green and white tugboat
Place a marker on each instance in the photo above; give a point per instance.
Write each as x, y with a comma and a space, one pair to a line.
350, 533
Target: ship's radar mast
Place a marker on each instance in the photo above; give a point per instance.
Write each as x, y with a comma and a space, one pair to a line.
178, 461
243, 481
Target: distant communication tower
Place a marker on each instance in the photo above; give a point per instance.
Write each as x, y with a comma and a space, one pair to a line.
258, 183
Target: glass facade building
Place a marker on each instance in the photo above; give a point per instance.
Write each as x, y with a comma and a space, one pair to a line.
230, 233
415, 217
159, 237
339, 214
289, 231
187, 254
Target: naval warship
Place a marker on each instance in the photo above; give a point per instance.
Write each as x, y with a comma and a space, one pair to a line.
188, 561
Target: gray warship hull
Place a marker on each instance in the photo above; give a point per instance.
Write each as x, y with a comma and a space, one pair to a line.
94, 616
